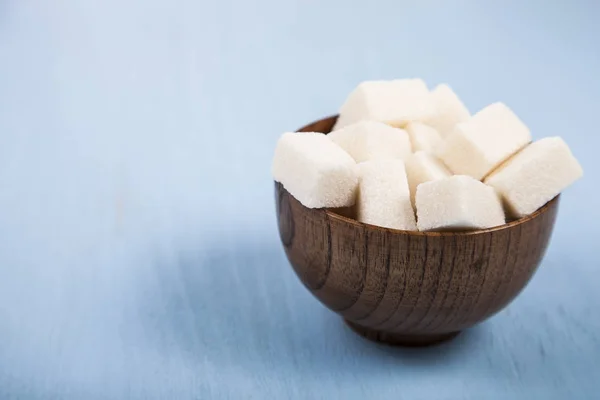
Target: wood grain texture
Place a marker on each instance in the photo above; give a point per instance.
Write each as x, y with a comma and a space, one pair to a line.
413, 288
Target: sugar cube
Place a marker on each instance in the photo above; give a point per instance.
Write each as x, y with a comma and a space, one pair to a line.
423, 137
423, 167
372, 140
395, 102
457, 202
535, 175
449, 110
483, 142
383, 195
316, 171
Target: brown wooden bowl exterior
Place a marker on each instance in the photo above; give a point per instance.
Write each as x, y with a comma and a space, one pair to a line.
406, 287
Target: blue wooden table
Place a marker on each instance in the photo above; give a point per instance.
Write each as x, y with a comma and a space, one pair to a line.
139, 255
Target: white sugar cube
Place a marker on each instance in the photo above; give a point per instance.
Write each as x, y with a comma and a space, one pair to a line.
395, 102
316, 171
383, 195
372, 140
482, 143
535, 175
449, 110
457, 203
424, 167
423, 137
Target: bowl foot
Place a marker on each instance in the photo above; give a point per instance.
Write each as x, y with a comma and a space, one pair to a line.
398, 339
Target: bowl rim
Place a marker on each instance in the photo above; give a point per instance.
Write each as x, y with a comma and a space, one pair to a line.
333, 215
537, 213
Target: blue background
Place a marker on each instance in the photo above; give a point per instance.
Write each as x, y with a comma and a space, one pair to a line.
139, 254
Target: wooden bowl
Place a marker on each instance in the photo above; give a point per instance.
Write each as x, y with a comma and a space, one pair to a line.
409, 288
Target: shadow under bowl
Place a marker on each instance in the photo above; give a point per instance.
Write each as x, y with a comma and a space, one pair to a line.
406, 287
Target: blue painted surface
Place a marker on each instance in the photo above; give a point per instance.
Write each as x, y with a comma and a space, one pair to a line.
139, 256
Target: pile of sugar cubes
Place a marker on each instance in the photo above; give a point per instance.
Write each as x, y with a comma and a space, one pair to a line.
408, 158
